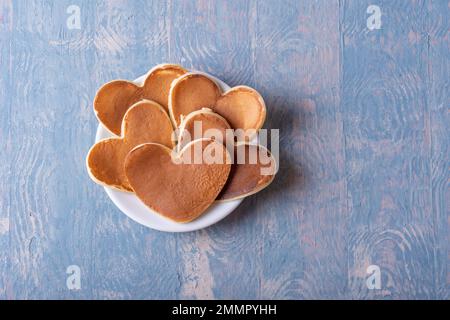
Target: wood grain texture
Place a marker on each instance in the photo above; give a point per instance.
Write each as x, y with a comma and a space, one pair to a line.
5, 138
364, 159
297, 67
438, 97
388, 144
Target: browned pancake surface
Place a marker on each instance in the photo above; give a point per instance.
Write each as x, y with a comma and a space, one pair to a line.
210, 123
144, 122
243, 107
251, 176
178, 191
116, 97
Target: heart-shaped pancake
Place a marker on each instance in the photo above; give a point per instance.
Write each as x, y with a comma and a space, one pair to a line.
200, 124
253, 169
145, 121
114, 98
242, 106
174, 187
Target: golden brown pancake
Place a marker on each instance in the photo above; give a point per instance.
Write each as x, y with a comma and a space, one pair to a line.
116, 97
243, 107
178, 191
208, 120
145, 121
251, 176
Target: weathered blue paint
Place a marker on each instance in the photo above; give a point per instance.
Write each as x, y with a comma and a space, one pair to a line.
363, 118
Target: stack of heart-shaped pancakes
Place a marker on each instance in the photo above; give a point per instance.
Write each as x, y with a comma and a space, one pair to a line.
154, 155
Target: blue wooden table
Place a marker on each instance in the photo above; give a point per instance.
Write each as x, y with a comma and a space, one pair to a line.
358, 88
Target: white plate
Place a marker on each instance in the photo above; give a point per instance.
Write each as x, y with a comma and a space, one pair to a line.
129, 204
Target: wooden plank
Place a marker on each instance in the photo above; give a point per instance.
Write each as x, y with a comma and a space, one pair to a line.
439, 101
387, 150
30, 194
301, 218
44, 198
5, 167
